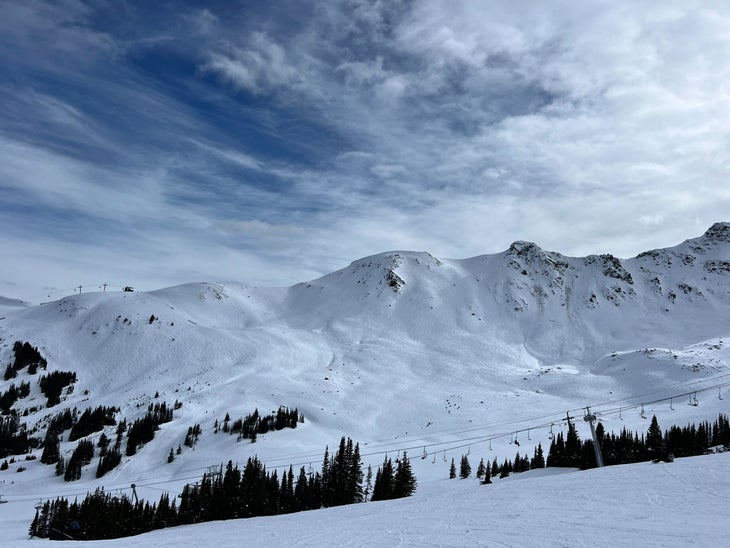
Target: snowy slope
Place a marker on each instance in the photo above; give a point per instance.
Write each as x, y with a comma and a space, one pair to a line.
400, 350
11, 304
680, 504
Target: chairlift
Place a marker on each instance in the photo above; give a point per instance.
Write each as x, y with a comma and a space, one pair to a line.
528, 435
620, 414
434, 459
490, 444
310, 471
516, 442
719, 393
670, 404
425, 453
444, 456
1, 500
693, 399
550, 434
511, 437
641, 414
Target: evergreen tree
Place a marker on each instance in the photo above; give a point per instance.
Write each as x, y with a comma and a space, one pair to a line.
572, 447
354, 476
452, 469
480, 470
655, 440
465, 467
538, 460
487, 475
325, 478
301, 498
51, 448
103, 444
384, 480
505, 469
368, 483
405, 481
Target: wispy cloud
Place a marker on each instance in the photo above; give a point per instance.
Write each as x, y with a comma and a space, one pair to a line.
272, 143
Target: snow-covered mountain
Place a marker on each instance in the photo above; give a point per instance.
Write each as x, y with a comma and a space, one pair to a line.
397, 350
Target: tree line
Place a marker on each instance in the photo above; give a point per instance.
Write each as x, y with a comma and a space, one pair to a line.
624, 448
227, 493
629, 447
25, 355
253, 424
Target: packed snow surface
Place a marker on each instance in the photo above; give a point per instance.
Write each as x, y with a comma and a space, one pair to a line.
684, 503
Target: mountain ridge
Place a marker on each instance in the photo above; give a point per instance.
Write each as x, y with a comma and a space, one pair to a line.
395, 346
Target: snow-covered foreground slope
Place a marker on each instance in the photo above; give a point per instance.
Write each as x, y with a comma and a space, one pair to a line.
400, 351
684, 503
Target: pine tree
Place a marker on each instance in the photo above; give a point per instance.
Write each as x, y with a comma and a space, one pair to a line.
103, 444
51, 448
487, 475
504, 471
300, 492
572, 447
384, 480
405, 481
325, 477
368, 483
465, 467
452, 469
480, 470
170, 456
538, 460
354, 476
655, 440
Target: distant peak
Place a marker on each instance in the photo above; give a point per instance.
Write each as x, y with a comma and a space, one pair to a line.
520, 247
719, 232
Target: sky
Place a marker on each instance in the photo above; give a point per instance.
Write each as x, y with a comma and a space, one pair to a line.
156, 143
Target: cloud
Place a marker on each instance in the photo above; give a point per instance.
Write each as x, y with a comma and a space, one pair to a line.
273, 143
261, 67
